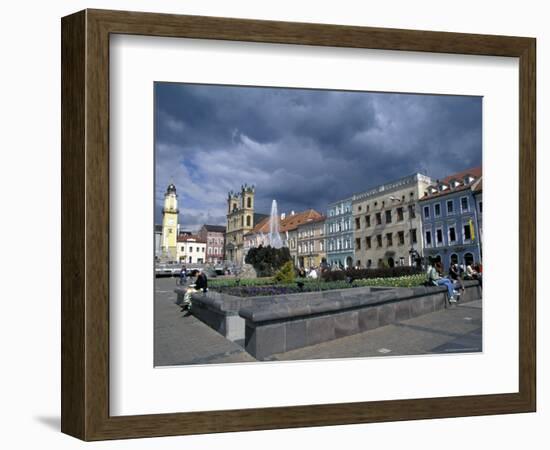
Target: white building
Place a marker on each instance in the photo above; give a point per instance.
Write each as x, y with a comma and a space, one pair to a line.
191, 249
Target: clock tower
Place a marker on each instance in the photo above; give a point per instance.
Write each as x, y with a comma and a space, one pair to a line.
170, 223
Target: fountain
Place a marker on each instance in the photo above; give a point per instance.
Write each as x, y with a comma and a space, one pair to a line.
274, 238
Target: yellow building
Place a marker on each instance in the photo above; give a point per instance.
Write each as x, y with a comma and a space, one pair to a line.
240, 220
170, 223
311, 243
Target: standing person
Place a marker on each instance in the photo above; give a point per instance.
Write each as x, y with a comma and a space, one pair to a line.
183, 275
433, 277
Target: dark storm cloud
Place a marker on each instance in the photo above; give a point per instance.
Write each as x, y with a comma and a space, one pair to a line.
305, 148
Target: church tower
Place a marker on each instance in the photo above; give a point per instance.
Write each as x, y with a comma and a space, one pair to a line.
170, 223
240, 220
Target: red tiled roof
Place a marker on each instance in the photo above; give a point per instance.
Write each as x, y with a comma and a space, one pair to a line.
475, 172
316, 220
290, 222
191, 238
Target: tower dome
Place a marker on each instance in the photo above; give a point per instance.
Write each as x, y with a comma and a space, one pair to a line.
171, 188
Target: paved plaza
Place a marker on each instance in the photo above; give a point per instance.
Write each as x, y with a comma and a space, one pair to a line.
182, 339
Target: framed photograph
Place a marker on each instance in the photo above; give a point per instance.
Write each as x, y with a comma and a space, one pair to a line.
273, 225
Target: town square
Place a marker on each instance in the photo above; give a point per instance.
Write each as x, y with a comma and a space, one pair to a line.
316, 255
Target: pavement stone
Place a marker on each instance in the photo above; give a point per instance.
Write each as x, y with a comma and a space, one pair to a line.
182, 340
456, 329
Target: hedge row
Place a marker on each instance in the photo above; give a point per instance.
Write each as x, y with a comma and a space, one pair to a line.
363, 274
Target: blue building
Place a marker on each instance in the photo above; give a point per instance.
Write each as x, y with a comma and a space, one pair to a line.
339, 234
451, 218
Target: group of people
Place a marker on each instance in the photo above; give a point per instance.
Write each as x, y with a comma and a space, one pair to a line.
454, 279
194, 281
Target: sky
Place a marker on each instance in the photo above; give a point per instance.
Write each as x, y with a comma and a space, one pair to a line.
305, 148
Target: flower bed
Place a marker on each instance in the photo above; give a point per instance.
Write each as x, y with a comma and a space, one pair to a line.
266, 287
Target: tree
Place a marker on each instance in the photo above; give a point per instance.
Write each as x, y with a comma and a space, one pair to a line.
267, 260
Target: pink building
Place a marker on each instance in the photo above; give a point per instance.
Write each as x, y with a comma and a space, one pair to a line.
214, 236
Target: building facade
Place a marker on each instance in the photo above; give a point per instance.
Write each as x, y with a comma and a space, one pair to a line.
191, 249
214, 236
339, 234
240, 220
387, 227
170, 226
451, 212
158, 241
311, 243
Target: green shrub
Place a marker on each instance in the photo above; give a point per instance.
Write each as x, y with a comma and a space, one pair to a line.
286, 274
267, 260
363, 274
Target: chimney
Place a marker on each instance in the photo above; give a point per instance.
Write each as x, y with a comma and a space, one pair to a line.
283, 215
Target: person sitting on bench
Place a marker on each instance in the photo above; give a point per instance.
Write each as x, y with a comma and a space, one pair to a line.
433, 278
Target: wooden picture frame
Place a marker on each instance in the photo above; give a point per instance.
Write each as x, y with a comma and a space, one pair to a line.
85, 224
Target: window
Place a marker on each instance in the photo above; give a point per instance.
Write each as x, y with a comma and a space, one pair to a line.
428, 238
450, 207
367, 221
209, 249
412, 212
464, 204
248, 219
249, 202
182, 249
401, 237
467, 232
437, 210
480, 207
359, 208
368, 208
357, 244
452, 234
388, 216
399, 214
357, 223
378, 219
413, 236
368, 242
439, 236
190, 249
379, 240
427, 212
389, 239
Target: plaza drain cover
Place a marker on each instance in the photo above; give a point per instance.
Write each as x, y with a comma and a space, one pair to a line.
384, 350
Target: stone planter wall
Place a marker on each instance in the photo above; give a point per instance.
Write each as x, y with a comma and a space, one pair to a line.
286, 327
